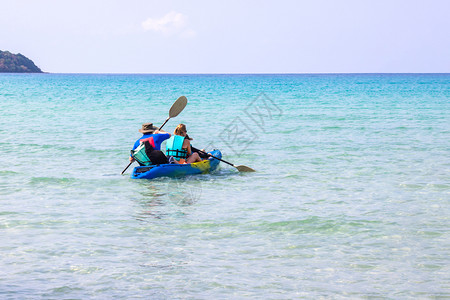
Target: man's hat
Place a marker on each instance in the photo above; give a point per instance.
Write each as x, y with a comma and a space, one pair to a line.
147, 128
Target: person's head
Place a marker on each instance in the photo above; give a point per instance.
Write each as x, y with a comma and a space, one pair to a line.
147, 128
180, 130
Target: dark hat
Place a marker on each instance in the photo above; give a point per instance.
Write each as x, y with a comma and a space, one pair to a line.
147, 128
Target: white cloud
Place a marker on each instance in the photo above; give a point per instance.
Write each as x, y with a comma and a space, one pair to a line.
173, 23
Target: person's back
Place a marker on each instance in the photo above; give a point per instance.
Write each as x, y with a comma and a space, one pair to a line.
153, 139
174, 148
145, 154
179, 146
154, 136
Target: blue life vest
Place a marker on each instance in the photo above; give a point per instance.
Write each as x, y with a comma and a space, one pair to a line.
174, 147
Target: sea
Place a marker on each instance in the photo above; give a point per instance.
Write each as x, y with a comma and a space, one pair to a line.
350, 198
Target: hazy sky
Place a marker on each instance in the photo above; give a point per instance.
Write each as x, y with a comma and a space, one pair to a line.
232, 36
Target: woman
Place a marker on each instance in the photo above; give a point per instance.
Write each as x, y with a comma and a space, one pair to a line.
179, 147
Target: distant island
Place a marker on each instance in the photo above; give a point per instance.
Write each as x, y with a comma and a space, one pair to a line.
16, 63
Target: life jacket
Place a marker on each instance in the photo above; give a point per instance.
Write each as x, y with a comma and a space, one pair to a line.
174, 147
145, 154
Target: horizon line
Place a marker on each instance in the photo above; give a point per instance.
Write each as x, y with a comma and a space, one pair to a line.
246, 73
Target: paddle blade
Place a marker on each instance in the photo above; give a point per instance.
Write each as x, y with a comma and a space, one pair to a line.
177, 107
244, 169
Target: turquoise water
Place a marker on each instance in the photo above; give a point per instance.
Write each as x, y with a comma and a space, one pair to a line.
350, 198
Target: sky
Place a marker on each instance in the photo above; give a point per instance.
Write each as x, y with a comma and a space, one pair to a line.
233, 36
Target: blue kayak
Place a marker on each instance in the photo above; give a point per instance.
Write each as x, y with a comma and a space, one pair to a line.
176, 170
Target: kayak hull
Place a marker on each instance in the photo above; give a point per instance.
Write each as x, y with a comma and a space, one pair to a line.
177, 170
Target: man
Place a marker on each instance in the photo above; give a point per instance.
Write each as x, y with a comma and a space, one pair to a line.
152, 135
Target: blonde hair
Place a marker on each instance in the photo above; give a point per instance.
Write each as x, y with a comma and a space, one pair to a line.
180, 128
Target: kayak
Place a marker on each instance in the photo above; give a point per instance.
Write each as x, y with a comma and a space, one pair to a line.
177, 170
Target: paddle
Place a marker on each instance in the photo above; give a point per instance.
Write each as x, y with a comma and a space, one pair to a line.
174, 111
176, 108
240, 167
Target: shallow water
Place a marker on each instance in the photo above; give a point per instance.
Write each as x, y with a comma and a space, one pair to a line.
350, 198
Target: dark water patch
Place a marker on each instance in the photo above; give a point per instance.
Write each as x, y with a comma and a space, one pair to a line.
211, 225
53, 181
293, 176
331, 128
424, 185
8, 213
63, 290
38, 147
8, 173
316, 225
22, 222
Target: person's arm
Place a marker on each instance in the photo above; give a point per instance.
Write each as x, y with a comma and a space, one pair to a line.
202, 154
187, 145
162, 136
160, 132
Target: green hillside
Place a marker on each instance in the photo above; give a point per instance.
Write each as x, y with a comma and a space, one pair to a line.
16, 63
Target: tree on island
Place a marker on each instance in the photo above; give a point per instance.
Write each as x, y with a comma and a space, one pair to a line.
16, 63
